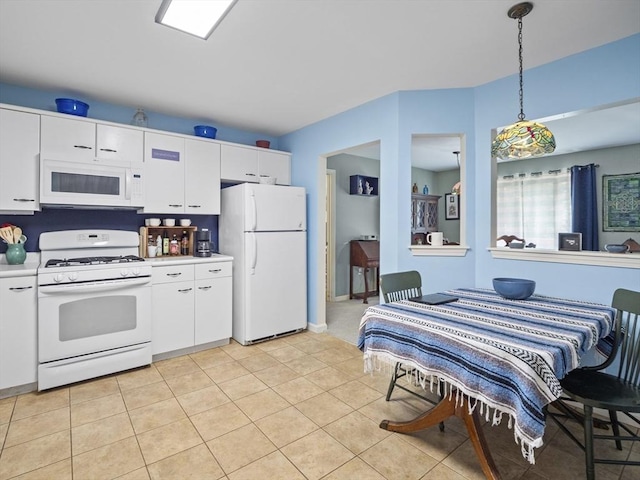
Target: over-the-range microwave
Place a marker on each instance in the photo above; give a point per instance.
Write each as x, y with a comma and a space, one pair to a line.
100, 185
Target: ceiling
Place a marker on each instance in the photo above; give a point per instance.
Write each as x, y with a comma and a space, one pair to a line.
279, 65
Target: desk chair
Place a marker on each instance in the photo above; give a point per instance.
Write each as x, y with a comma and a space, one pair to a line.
396, 287
619, 392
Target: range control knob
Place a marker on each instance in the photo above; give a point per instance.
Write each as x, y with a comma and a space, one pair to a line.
73, 276
124, 272
135, 272
58, 277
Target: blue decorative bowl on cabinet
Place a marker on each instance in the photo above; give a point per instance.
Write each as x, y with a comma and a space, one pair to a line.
514, 288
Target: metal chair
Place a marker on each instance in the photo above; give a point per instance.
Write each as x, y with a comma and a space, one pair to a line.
396, 287
619, 392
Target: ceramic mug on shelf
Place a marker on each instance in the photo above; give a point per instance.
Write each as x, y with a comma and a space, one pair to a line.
434, 239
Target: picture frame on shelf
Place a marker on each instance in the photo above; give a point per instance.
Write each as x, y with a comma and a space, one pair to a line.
451, 206
570, 242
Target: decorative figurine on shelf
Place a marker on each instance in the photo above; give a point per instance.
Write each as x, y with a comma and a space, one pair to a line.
425, 190
367, 188
359, 186
414, 189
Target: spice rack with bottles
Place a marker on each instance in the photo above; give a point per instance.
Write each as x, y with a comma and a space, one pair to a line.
155, 231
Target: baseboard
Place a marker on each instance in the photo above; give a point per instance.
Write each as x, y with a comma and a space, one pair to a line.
315, 328
342, 298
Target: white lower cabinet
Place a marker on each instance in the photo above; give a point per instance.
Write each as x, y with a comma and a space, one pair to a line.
191, 305
213, 302
18, 331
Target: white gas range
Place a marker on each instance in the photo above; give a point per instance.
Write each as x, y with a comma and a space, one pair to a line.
94, 305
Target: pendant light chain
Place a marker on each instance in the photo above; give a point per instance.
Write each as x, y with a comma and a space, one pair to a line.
521, 114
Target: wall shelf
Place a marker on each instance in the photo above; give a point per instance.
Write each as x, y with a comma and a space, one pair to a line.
363, 186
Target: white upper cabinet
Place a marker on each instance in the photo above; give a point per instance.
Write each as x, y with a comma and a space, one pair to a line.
275, 164
164, 173
202, 177
247, 164
181, 175
239, 164
73, 140
19, 155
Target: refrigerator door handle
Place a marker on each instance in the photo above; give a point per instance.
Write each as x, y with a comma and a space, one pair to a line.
253, 211
254, 253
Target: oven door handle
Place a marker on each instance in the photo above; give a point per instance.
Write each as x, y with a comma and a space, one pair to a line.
103, 286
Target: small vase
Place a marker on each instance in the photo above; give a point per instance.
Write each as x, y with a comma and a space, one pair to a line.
16, 254
140, 118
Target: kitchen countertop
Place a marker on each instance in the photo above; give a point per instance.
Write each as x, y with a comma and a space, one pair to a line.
30, 266
168, 260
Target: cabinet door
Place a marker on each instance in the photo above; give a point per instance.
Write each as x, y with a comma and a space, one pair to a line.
68, 140
275, 164
19, 155
164, 173
18, 334
213, 320
239, 164
173, 309
119, 144
202, 177
213, 310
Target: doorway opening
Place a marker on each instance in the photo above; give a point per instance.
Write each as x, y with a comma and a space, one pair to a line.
349, 216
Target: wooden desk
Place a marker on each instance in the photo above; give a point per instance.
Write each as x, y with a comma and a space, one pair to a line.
502, 357
364, 254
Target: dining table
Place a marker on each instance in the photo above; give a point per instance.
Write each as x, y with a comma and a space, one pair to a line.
486, 356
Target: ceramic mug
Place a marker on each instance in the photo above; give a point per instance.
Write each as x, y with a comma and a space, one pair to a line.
434, 239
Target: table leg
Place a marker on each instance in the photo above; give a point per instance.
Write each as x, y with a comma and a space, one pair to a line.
443, 410
366, 285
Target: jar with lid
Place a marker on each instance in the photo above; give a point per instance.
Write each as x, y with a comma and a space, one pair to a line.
139, 118
174, 246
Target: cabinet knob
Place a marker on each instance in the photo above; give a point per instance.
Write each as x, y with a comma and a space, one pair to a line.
215, 270
23, 200
174, 274
19, 289
175, 206
82, 147
185, 290
208, 287
110, 150
194, 206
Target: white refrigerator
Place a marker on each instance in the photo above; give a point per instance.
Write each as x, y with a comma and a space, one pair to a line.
264, 228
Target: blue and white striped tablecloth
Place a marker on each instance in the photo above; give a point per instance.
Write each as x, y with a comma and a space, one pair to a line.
504, 356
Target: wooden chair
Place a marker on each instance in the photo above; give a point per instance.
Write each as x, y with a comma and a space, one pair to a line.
396, 287
619, 392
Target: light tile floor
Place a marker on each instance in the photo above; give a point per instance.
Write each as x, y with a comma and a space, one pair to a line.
298, 407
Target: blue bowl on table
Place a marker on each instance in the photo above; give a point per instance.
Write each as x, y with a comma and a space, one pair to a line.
514, 288
72, 107
205, 131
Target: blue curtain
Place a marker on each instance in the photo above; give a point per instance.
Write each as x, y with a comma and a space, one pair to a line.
584, 205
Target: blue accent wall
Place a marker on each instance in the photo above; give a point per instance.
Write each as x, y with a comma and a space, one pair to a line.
600, 76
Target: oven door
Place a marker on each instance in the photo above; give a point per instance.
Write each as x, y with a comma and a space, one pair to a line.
95, 317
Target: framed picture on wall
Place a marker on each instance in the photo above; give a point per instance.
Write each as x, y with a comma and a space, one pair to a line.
451, 206
570, 241
620, 199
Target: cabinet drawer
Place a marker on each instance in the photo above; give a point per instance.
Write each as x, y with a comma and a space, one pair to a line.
174, 273
213, 270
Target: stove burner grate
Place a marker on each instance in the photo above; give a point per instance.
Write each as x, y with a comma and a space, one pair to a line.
82, 261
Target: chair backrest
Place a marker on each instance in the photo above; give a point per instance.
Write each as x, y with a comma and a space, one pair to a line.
627, 305
400, 286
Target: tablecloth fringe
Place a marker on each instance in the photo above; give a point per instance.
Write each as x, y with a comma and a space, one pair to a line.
374, 363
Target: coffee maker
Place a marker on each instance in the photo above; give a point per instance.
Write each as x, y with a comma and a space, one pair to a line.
203, 243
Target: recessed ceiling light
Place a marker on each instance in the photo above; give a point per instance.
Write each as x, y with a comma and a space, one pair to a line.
196, 17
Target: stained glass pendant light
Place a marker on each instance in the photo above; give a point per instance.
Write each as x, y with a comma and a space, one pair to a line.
523, 139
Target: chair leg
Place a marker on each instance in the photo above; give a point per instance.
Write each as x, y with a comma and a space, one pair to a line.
588, 441
613, 415
392, 383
